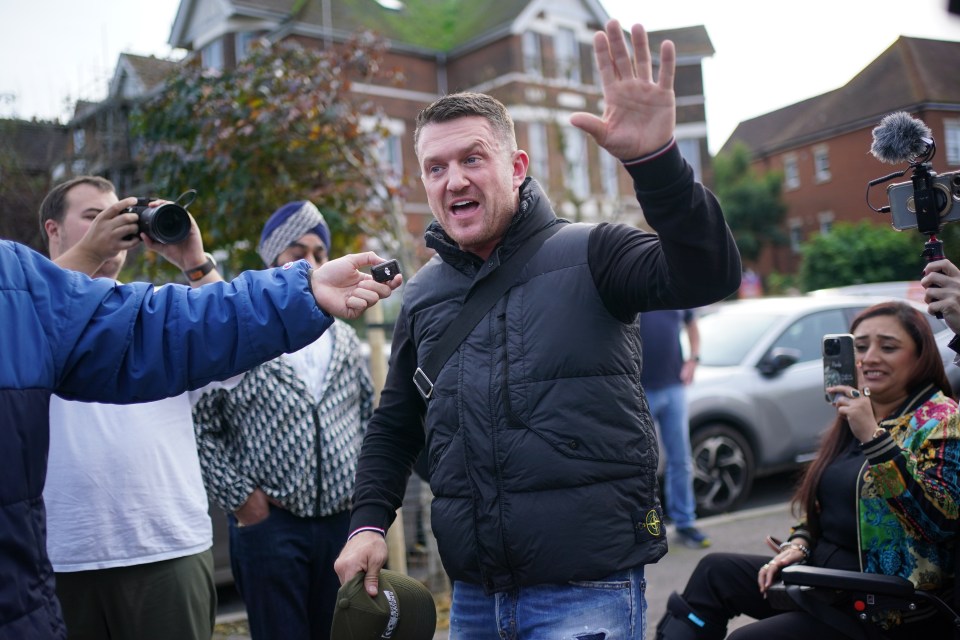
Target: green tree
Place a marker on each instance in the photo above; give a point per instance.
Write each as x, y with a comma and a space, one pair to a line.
860, 253
283, 125
22, 187
752, 203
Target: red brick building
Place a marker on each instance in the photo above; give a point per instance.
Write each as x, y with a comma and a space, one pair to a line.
821, 145
535, 56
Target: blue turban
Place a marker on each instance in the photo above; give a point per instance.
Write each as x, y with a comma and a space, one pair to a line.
288, 224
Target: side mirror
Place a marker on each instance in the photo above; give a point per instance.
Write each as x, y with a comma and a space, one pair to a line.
777, 360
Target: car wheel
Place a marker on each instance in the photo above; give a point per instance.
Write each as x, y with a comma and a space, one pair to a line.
723, 468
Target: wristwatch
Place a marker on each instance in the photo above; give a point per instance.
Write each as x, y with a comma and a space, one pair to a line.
197, 273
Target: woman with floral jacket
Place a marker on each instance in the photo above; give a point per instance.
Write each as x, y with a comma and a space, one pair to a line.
881, 497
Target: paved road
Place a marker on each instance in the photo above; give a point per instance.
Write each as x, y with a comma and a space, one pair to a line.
741, 531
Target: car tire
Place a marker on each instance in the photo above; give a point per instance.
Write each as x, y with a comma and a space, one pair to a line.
723, 468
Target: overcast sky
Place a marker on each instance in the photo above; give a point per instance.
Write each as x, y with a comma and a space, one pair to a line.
768, 53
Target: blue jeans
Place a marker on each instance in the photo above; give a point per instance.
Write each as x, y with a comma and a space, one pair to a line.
283, 569
612, 608
669, 407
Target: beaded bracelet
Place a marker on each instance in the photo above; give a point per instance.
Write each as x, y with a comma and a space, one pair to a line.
802, 548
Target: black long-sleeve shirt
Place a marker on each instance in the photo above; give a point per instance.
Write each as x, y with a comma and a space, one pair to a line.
691, 261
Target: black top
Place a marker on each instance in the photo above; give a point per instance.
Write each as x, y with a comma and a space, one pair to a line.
837, 495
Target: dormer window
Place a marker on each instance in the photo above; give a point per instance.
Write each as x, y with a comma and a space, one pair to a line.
568, 55
79, 140
211, 56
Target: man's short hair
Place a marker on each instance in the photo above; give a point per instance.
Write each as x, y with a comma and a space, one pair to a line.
54, 205
465, 104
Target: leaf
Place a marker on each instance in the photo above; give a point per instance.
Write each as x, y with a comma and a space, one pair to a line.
281, 126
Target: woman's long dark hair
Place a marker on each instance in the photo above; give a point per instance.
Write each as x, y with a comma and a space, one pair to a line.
927, 370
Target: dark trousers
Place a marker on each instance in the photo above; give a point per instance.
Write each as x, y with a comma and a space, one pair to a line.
724, 585
283, 569
153, 601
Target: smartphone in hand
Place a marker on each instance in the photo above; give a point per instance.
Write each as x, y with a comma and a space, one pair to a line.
839, 362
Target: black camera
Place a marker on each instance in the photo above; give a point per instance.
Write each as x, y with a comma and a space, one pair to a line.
167, 223
945, 194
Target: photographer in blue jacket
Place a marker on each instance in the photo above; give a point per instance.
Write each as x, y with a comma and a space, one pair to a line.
92, 339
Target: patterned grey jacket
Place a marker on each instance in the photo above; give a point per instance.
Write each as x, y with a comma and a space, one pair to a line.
268, 432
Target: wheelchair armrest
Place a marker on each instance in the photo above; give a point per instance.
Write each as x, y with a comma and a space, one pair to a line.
803, 575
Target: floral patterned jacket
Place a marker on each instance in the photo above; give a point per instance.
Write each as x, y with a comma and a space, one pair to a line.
909, 493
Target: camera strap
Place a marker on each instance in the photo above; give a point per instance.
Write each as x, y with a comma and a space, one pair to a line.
484, 297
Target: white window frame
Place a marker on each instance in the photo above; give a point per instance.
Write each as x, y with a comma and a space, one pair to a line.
791, 172
532, 54
796, 235
211, 56
390, 154
821, 163
575, 166
567, 54
825, 220
539, 152
389, 150
951, 140
79, 140
241, 43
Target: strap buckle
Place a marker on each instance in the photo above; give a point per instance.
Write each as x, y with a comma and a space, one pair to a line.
423, 383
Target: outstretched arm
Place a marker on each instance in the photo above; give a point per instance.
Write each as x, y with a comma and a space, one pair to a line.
342, 290
639, 115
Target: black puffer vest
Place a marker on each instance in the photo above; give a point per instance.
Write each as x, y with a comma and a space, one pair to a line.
542, 452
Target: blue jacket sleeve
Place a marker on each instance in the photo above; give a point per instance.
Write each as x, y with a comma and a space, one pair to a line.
106, 342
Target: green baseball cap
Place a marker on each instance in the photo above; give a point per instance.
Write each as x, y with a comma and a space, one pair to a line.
403, 609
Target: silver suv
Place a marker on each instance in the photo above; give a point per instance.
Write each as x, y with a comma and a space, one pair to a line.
756, 403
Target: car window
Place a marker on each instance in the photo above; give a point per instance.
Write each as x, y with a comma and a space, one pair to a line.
805, 335
725, 338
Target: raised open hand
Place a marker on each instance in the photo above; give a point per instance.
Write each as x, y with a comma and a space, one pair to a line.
639, 115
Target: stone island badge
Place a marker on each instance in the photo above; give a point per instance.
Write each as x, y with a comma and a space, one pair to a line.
652, 523
647, 525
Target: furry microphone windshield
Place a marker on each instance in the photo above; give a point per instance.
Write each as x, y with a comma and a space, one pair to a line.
900, 138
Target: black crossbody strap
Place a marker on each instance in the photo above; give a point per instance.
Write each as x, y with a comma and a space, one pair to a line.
484, 297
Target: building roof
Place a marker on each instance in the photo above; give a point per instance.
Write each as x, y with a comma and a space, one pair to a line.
37, 145
150, 71
437, 26
690, 41
432, 26
912, 74
135, 76
428, 26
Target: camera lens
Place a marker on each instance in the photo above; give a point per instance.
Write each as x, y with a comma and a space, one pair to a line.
168, 223
831, 347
